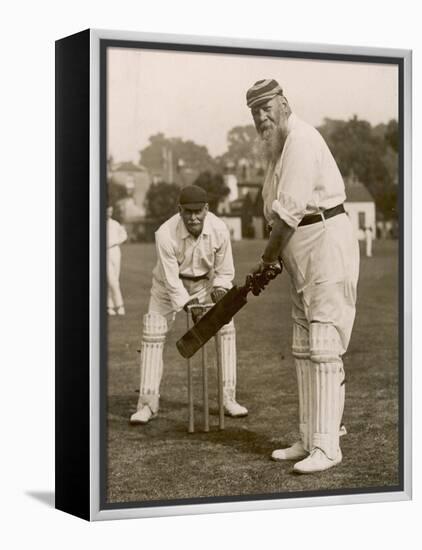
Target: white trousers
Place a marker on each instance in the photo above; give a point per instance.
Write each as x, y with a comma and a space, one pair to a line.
114, 295
323, 262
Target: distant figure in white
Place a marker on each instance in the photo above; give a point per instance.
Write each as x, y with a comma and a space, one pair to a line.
368, 241
116, 235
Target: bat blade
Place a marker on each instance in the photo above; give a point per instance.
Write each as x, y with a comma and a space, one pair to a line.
212, 322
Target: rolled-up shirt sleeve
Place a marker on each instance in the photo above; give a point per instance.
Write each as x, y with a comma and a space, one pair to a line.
170, 269
296, 183
223, 263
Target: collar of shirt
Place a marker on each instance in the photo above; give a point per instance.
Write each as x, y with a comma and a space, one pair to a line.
184, 233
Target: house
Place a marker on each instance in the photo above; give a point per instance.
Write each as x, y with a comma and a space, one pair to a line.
239, 208
244, 217
360, 207
135, 178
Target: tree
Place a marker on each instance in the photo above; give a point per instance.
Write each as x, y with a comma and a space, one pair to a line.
161, 200
215, 187
241, 140
242, 143
368, 153
392, 135
115, 191
165, 156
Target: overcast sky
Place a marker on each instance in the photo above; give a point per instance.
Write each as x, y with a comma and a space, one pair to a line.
202, 96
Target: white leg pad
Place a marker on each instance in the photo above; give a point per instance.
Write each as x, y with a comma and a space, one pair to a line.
325, 343
153, 337
227, 350
303, 371
300, 342
301, 352
327, 383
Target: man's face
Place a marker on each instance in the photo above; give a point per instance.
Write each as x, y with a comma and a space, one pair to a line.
193, 217
270, 116
271, 122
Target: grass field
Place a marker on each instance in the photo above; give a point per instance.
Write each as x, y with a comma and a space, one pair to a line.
162, 461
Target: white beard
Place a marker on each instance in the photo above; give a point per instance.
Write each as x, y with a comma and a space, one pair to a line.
271, 143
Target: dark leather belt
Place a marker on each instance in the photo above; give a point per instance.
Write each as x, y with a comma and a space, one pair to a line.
324, 215
192, 278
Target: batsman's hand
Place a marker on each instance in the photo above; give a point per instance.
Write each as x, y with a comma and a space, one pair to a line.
260, 275
196, 313
217, 293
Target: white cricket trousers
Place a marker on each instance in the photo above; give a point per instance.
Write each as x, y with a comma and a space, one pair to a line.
114, 295
323, 261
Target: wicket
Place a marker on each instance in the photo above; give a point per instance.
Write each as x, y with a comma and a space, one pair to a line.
205, 400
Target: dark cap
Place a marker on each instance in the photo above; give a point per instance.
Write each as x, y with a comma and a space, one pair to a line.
193, 195
262, 91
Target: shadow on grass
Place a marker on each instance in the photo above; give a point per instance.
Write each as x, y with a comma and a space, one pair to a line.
171, 426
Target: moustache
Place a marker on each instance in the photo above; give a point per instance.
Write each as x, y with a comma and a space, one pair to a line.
266, 131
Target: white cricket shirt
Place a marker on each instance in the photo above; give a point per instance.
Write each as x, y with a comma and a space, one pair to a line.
178, 252
305, 179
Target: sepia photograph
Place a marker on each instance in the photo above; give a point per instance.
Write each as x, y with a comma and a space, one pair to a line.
252, 222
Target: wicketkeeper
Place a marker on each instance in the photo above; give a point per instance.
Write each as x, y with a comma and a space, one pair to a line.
194, 265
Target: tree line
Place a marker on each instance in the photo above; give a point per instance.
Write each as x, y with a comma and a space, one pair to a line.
370, 153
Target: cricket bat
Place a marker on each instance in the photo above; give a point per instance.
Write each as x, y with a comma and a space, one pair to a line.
223, 312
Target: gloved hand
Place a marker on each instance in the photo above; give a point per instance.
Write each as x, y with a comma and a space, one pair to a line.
260, 275
196, 313
217, 293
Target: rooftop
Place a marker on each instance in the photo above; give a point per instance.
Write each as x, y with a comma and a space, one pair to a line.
357, 191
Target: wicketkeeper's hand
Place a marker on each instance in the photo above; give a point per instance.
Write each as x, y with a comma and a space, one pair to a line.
260, 275
217, 293
196, 313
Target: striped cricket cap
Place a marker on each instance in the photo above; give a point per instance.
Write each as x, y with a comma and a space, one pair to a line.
262, 91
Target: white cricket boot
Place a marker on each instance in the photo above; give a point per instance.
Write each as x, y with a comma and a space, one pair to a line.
121, 310
295, 452
143, 415
232, 407
317, 461
111, 311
